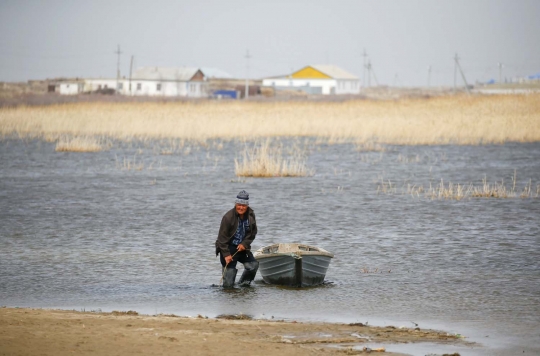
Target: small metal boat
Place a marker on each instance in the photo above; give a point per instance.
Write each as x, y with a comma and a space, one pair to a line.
293, 264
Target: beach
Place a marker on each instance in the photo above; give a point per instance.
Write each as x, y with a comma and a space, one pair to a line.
25, 331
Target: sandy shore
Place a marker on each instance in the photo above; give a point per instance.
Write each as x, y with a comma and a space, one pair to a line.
58, 332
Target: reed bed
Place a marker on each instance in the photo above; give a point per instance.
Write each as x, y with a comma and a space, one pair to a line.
263, 160
458, 191
441, 120
79, 144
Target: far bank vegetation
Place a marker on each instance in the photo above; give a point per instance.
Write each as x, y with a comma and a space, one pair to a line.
368, 123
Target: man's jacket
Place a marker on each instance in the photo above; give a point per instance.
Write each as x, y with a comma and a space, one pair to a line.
228, 227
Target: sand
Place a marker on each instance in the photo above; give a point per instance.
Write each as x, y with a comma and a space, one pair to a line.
26, 331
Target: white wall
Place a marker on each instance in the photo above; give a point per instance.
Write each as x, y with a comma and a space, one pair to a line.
96, 84
347, 86
325, 84
339, 86
150, 87
169, 88
70, 88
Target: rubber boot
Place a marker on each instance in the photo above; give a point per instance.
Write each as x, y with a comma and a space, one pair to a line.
228, 277
250, 270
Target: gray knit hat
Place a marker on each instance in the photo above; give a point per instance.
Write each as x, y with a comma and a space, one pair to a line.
242, 198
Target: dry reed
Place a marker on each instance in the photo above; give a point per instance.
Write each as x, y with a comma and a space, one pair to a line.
461, 191
262, 160
79, 144
442, 120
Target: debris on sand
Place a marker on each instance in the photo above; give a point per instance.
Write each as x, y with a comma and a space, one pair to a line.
235, 316
129, 312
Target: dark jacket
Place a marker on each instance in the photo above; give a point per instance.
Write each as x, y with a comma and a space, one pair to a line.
228, 227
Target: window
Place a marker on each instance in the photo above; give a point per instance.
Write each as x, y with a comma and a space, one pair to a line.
120, 86
158, 87
138, 86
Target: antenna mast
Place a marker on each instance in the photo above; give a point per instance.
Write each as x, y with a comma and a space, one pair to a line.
118, 52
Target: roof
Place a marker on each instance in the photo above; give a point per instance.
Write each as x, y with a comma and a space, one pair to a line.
183, 74
334, 71
215, 73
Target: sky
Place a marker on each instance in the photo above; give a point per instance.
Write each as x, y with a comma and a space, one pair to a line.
402, 38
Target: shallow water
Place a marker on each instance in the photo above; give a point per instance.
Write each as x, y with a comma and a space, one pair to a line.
80, 231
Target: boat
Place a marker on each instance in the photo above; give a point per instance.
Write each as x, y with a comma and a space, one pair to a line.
293, 264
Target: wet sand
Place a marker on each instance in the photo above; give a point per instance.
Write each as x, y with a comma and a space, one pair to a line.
26, 331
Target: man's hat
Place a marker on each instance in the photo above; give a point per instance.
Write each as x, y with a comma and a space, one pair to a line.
242, 198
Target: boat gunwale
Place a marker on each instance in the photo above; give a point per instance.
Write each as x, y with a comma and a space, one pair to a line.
295, 254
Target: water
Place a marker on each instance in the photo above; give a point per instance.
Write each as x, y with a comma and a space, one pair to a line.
78, 231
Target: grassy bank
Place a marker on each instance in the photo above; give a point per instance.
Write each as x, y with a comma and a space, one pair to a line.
442, 120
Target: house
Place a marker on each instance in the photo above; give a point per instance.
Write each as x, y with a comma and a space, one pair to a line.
65, 86
161, 81
70, 87
104, 85
317, 79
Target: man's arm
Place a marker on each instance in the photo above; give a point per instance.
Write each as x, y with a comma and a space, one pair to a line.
223, 238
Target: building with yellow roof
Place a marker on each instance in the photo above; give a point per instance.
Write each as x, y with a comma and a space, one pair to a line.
319, 79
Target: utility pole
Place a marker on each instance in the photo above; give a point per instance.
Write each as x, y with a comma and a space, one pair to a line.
455, 71
247, 56
118, 52
457, 66
364, 68
428, 76
369, 72
130, 73
500, 71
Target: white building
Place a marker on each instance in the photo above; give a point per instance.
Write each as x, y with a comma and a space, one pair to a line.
317, 79
159, 81
70, 87
151, 81
103, 84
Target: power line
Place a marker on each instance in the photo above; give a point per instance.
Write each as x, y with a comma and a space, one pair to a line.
364, 54
456, 67
247, 56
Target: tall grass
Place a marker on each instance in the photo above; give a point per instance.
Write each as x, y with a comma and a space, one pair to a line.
442, 120
79, 144
461, 191
262, 160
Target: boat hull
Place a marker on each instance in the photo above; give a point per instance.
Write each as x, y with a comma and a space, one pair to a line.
294, 270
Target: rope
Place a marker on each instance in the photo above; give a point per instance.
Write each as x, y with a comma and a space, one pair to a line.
225, 268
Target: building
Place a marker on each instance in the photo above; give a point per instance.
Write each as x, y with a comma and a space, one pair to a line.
154, 81
159, 81
104, 85
317, 79
65, 86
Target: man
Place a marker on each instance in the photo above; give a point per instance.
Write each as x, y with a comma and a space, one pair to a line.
236, 233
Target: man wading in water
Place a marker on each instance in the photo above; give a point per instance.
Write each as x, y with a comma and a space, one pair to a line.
236, 233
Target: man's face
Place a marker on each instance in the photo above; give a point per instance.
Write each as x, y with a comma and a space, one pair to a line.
241, 209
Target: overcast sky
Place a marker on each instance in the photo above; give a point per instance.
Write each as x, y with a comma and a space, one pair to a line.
403, 38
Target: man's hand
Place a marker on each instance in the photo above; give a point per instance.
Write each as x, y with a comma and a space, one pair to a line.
228, 259
241, 247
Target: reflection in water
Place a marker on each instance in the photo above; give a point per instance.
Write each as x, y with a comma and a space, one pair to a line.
77, 232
